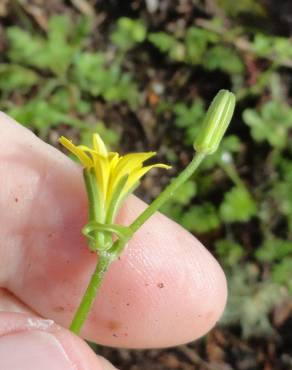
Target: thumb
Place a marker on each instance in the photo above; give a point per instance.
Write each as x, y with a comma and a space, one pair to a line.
32, 343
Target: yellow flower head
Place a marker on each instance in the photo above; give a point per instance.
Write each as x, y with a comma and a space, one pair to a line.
116, 176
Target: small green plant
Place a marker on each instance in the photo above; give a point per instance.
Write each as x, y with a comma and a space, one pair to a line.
54, 53
13, 76
60, 76
200, 47
99, 77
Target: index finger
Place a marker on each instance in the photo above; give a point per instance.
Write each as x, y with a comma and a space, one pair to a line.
166, 288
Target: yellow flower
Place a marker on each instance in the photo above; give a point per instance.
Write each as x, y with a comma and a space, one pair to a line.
116, 176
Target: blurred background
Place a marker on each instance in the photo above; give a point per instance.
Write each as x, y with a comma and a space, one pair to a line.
141, 73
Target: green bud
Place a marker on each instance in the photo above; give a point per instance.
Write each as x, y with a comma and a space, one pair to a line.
215, 123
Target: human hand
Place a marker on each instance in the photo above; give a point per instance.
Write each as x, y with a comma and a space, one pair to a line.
166, 288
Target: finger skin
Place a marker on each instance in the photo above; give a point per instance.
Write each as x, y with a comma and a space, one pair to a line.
10, 303
72, 351
166, 288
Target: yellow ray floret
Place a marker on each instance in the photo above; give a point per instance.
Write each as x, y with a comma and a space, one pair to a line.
111, 170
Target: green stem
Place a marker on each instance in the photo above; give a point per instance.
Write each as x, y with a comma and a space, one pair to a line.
90, 294
168, 192
233, 175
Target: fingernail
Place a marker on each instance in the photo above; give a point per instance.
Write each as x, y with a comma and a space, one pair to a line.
105, 364
32, 350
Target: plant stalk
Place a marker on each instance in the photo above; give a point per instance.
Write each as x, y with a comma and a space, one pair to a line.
90, 293
168, 192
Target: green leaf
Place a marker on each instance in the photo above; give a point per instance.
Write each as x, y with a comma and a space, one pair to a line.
196, 42
188, 116
53, 53
167, 43
282, 273
229, 252
174, 207
109, 136
262, 44
59, 51
189, 119
41, 115
281, 192
185, 193
92, 74
224, 59
235, 8
173, 210
16, 77
162, 40
270, 124
81, 32
128, 33
24, 48
274, 249
251, 301
69, 99
201, 219
237, 206
36, 113
56, 51
267, 46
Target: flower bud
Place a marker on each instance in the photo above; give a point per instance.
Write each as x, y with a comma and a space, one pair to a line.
215, 123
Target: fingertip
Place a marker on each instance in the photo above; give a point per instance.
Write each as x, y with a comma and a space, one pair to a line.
193, 268
32, 343
166, 289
